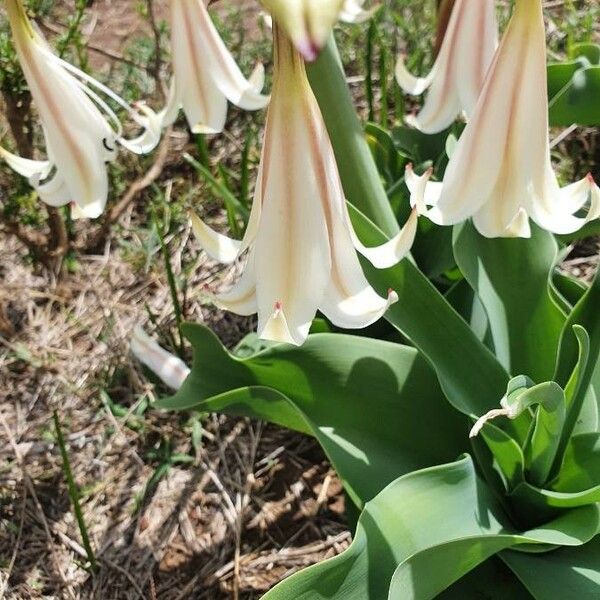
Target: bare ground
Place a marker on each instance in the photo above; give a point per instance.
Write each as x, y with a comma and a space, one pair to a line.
254, 504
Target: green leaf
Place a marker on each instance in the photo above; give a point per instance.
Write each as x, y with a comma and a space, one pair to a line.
511, 277
425, 317
585, 315
560, 575
445, 512
492, 580
578, 102
507, 454
580, 469
368, 402
573, 87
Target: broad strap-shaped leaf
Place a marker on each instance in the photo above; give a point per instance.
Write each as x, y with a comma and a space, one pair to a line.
471, 377
375, 407
511, 277
492, 580
586, 314
574, 88
433, 511
560, 575
580, 469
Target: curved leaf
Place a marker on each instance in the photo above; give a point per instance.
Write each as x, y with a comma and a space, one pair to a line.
425, 317
585, 315
564, 573
511, 277
432, 511
369, 403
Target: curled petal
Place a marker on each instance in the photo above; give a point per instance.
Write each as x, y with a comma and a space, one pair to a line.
349, 300
392, 252
150, 137
53, 191
218, 246
168, 115
88, 211
25, 166
241, 298
423, 193
408, 82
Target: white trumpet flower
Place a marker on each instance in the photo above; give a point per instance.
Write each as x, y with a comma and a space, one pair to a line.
80, 129
205, 75
308, 23
459, 71
353, 11
500, 172
301, 244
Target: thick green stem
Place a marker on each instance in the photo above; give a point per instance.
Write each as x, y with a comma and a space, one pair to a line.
358, 172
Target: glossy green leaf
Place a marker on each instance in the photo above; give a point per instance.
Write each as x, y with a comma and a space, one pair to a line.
507, 454
574, 87
375, 407
492, 580
578, 102
425, 317
567, 573
511, 277
442, 516
585, 315
580, 469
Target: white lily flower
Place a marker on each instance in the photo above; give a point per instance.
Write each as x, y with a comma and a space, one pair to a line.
308, 23
205, 74
353, 11
500, 172
459, 71
80, 129
167, 367
301, 244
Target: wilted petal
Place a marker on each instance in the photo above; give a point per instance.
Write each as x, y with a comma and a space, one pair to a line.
167, 367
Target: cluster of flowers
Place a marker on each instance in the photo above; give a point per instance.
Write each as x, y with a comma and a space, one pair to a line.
300, 244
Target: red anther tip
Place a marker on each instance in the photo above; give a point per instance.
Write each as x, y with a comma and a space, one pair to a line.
409, 167
390, 291
590, 178
278, 306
